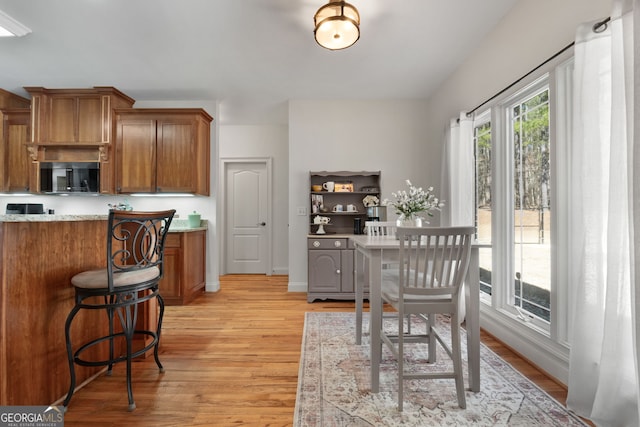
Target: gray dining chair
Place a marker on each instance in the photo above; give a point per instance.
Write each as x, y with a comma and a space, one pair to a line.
433, 262
380, 228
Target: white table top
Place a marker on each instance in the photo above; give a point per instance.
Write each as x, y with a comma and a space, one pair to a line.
375, 242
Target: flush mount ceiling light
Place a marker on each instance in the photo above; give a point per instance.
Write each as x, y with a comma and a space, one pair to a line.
9, 27
337, 25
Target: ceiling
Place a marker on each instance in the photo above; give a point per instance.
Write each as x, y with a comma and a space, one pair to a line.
251, 56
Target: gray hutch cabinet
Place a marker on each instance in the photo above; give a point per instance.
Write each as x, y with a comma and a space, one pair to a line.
331, 266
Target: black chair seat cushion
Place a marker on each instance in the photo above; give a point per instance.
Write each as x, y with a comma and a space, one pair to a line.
98, 279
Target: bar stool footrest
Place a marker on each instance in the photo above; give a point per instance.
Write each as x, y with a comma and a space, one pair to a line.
106, 362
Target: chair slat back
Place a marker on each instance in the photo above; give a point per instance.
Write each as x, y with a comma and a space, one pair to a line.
433, 260
135, 240
380, 228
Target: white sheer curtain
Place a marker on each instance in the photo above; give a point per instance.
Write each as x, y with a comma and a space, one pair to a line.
458, 173
603, 370
457, 180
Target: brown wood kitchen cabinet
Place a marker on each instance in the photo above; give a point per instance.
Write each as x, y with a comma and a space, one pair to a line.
16, 167
75, 125
75, 116
11, 100
184, 267
162, 150
15, 121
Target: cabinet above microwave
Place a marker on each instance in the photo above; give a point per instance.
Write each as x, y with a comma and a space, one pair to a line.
75, 116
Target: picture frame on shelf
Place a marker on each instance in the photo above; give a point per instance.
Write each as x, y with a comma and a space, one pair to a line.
316, 203
344, 187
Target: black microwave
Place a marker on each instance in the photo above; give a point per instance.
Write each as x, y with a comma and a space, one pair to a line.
70, 177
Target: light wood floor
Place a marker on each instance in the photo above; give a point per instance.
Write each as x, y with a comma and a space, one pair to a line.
231, 359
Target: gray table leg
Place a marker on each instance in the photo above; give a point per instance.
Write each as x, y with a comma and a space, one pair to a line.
359, 284
375, 310
472, 298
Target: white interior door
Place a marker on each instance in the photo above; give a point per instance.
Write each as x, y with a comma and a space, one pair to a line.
246, 213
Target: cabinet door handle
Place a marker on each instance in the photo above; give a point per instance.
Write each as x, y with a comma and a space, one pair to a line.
337, 271
263, 223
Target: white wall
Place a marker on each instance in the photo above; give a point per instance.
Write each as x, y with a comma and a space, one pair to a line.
529, 34
262, 142
334, 135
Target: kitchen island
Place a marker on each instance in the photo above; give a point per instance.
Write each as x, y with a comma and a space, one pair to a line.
39, 255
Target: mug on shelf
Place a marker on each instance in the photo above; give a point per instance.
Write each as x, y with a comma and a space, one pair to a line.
351, 208
321, 220
329, 185
338, 208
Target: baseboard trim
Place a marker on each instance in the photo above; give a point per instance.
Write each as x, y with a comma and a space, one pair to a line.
212, 287
297, 287
546, 355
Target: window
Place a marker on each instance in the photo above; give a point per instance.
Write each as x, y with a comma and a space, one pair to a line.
530, 190
517, 174
522, 157
482, 156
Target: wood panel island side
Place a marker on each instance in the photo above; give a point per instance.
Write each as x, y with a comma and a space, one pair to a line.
39, 255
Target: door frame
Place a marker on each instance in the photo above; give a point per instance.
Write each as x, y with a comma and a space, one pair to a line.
225, 163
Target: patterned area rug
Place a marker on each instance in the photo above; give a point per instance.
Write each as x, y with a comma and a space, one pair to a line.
334, 385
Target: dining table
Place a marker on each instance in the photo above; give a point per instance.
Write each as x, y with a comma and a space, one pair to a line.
370, 252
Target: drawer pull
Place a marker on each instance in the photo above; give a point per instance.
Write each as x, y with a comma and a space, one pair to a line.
337, 243
316, 244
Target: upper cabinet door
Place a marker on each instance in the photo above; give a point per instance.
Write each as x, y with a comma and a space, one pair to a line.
135, 155
183, 151
78, 119
16, 165
15, 120
176, 160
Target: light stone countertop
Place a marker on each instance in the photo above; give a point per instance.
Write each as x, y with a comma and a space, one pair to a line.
182, 226
177, 225
50, 218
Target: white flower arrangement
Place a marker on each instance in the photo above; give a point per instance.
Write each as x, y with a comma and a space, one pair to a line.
410, 203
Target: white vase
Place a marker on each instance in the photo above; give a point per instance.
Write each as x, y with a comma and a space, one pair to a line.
413, 221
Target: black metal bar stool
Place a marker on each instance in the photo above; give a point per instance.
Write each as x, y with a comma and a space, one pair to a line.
135, 248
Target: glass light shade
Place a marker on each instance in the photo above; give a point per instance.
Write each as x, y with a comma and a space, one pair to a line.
337, 25
9, 27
